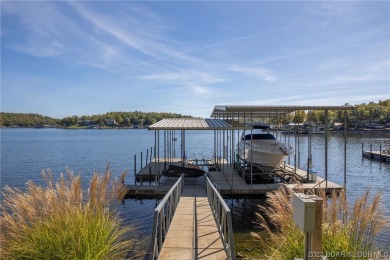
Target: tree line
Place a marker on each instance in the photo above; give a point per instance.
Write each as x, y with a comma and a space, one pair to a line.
363, 114
108, 119
26, 120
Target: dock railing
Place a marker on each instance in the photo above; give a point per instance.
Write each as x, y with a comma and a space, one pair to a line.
223, 218
163, 215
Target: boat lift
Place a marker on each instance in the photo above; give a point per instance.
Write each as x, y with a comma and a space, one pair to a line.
248, 114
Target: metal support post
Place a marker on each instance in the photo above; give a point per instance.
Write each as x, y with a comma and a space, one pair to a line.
326, 150
345, 150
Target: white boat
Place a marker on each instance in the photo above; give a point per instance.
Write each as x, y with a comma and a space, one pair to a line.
318, 129
262, 148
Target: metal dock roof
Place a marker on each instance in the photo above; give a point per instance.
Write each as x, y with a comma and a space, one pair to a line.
191, 124
224, 110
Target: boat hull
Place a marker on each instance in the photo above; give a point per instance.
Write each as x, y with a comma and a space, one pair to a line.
267, 155
192, 171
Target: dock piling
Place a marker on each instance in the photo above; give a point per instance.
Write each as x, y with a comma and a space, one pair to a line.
372, 157
135, 169
147, 156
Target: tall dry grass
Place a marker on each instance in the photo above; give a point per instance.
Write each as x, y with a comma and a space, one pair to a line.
63, 221
346, 229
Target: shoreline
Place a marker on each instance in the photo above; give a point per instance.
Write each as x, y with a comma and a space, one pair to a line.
71, 128
386, 130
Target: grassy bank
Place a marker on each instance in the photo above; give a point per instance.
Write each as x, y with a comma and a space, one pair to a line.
348, 230
247, 247
63, 221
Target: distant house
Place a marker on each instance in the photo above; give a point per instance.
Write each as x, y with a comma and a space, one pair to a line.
110, 122
297, 124
86, 122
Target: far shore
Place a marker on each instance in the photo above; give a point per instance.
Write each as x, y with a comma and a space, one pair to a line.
74, 127
365, 130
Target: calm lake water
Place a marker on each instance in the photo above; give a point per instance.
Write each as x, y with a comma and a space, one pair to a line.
26, 152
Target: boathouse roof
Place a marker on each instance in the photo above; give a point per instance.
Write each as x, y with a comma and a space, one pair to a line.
191, 124
220, 111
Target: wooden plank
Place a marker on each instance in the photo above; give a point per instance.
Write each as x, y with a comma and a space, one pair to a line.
316, 236
240, 187
209, 242
181, 242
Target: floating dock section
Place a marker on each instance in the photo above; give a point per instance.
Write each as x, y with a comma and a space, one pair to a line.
377, 155
227, 181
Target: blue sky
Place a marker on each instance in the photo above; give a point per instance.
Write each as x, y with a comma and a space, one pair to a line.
63, 58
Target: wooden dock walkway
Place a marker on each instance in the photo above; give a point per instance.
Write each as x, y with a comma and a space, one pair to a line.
193, 233
230, 183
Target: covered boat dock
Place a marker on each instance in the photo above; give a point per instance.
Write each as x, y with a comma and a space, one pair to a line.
192, 219
226, 123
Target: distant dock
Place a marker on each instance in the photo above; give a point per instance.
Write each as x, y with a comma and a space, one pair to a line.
377, 155
377, 152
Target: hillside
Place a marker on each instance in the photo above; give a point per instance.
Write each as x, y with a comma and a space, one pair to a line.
128, 119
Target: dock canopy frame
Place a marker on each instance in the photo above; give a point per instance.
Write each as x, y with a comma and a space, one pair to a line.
224, 139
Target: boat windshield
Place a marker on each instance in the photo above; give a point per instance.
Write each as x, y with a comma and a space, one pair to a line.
260, 137
260, 131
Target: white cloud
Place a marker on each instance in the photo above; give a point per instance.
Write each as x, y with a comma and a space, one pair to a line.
315, 99
339, 99
184, 77
200, 90
135, 33
34, 48
44, 25
262, 73
347, 80
334, 64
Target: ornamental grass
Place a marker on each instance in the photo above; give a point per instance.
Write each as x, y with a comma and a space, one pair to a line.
63, 221
348, 231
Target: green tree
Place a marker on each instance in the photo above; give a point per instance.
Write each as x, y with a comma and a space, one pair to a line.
299, 117
149, 120
118, 118
126, 120
313, 116
135, 120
